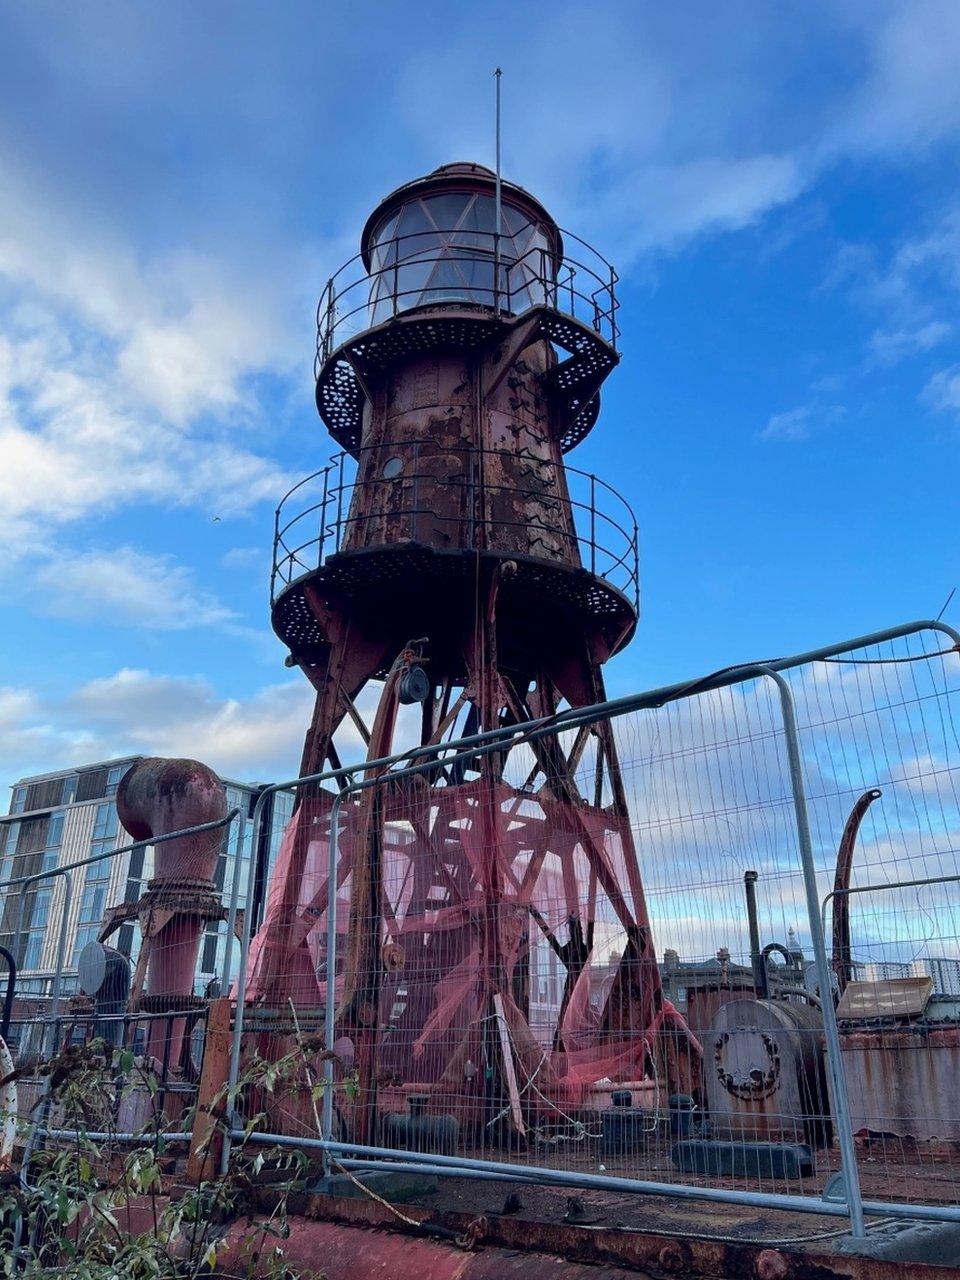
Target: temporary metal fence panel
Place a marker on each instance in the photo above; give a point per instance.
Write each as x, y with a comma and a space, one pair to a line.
882, 763
898, 983
501, 908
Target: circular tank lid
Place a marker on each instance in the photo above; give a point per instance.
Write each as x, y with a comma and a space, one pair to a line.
92, 967
458, 176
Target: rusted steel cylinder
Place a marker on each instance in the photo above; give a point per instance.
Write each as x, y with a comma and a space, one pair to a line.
156, 797
445, 466
351, 1253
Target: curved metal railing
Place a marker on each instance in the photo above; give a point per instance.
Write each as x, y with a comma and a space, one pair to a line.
419, 272
314, 520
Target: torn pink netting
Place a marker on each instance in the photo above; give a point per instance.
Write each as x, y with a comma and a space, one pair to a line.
487, 890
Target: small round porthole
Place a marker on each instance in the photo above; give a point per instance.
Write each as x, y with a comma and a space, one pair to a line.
392, 468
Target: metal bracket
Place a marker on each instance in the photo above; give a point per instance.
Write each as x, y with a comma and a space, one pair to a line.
835, 1192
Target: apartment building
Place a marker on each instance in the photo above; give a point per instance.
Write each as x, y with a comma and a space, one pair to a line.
57, 819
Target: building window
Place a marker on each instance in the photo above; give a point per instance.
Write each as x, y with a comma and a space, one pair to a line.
208, 960
39, 897
104, 824
96, 885
114, 774
19, 801
92, 905
39, 918
8, 844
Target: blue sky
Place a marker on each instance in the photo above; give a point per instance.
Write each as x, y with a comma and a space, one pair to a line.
777, 185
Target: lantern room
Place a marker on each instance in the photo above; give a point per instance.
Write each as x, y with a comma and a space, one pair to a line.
438, 241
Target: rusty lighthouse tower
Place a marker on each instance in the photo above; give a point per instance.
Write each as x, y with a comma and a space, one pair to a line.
451, 553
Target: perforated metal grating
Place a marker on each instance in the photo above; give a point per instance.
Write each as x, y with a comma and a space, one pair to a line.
583, 596
575, 381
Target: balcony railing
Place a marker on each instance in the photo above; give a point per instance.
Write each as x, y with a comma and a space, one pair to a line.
314, 520
434, 268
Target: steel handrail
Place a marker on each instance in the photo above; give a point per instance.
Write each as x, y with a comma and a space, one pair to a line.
371, 303
465, 449
572, 504
463, 245
285, 564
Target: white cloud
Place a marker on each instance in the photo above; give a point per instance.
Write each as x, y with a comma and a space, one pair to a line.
794, 424
890, 345
137, 711
129, 587
125, 378
664, 205
73, 444
799, 423
133, 711
942, 392
909, 95
184, 327
28, 737
245, 558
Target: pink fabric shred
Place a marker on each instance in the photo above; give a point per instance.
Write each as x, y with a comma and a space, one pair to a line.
460, 865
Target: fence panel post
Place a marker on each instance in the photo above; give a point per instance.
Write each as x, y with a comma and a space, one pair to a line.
206, 1140
848, 1154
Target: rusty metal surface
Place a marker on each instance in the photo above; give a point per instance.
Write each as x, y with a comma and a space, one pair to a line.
157, 796
904, 1082
345, 1253
549, 1247
706, 998
842, 965
890, 998
460, 459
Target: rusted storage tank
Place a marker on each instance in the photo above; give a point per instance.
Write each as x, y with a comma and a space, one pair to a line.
901, 1061
765, 1078
706, 998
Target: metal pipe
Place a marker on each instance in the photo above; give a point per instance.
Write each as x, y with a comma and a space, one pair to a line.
841, 919
498, 208
235, 888
769, 949
848, 1153
234, 1071
464, 1166
72, 1134
72, 866
400, 1166
760, 983
57, 983
803, 993
11, 991
329, 1011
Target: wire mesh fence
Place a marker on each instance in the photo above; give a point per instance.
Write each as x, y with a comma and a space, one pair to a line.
96, 1004
541, 953
591, 947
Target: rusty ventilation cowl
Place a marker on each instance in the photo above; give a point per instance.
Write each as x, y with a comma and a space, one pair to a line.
158, 797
